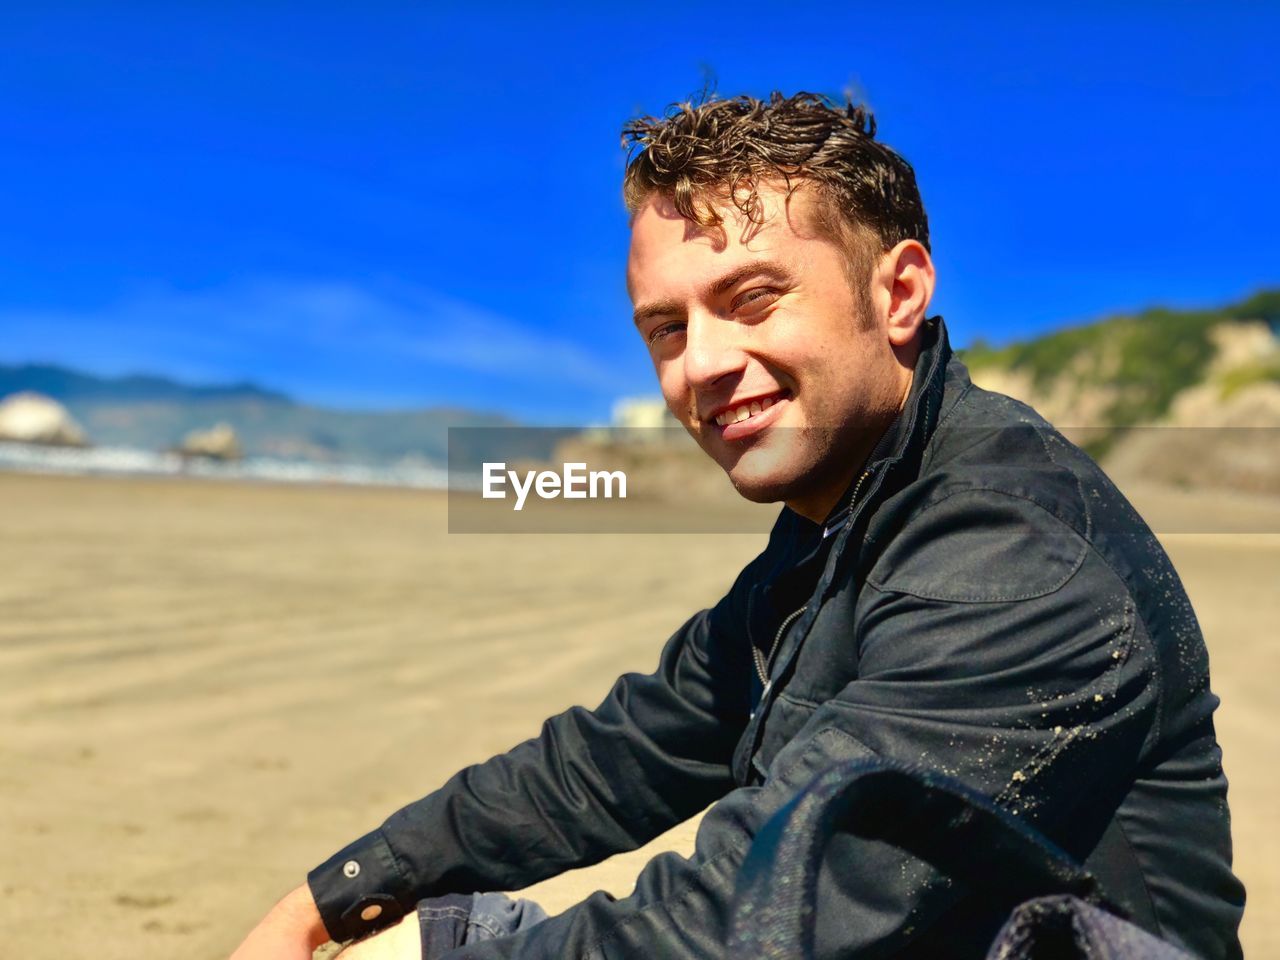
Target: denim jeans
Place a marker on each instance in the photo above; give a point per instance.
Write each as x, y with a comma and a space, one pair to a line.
446, 923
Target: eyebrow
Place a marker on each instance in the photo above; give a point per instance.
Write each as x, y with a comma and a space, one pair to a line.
755, 268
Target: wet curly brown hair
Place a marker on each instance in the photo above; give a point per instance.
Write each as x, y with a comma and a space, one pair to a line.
711, 150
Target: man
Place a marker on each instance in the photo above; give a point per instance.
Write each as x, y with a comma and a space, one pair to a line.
951, 585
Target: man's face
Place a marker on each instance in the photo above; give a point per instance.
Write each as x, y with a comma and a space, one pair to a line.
762, 348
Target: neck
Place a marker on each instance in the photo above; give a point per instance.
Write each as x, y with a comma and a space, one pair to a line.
816, 505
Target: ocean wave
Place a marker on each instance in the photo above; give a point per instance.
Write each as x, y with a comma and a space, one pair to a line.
130, 461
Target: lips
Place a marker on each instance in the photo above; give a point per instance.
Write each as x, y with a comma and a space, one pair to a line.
745, 416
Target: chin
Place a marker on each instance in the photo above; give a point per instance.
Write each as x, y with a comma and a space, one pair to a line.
792, 466
766, 476
757, 490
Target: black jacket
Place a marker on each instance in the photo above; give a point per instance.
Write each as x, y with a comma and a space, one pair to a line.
987, 604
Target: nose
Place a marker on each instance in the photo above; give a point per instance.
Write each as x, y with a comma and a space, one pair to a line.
712, 350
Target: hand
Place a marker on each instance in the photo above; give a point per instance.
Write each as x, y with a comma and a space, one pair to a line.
290, 931
403, 941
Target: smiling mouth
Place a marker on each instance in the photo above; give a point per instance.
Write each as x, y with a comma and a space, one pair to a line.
747, 410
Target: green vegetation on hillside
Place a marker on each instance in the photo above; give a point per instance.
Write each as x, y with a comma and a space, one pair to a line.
1264, 305
1146, 359
1233, 381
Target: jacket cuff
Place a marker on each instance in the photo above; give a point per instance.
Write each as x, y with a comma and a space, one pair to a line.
360, 888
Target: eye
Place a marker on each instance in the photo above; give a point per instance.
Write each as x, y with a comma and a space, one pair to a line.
754, 299
665, 331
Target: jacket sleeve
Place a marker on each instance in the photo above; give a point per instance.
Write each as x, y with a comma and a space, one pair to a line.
1020, 672
593, 783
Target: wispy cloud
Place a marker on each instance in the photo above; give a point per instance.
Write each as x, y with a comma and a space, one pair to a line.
326, 338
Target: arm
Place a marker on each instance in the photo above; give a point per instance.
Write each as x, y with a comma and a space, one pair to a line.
595, 782
1043, 702
655, 752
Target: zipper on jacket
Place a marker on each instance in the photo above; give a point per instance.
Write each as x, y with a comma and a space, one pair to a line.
843, 515
762, 661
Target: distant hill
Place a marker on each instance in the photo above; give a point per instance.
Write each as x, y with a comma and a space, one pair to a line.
1213, 374
155, 413
1139, 363
64, 385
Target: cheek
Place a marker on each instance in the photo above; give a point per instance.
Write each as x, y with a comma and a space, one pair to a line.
828, 392
674, 387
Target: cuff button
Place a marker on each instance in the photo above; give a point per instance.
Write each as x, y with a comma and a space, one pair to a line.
351, 869
371, 912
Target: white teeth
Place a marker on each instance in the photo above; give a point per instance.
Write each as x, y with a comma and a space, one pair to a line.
745, 411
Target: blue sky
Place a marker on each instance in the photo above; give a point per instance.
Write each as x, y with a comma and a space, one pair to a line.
416, 204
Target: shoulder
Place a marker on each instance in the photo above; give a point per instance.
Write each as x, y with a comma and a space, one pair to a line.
1000, 509
978, 543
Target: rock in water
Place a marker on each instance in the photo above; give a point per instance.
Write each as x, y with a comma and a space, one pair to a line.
34, 418
217, 443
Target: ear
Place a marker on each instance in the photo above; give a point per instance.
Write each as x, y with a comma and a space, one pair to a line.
904, 286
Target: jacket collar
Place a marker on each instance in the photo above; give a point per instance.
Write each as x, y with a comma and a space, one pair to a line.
907, 437
900, 450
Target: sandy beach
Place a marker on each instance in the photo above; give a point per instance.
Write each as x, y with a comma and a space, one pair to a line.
210, 686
